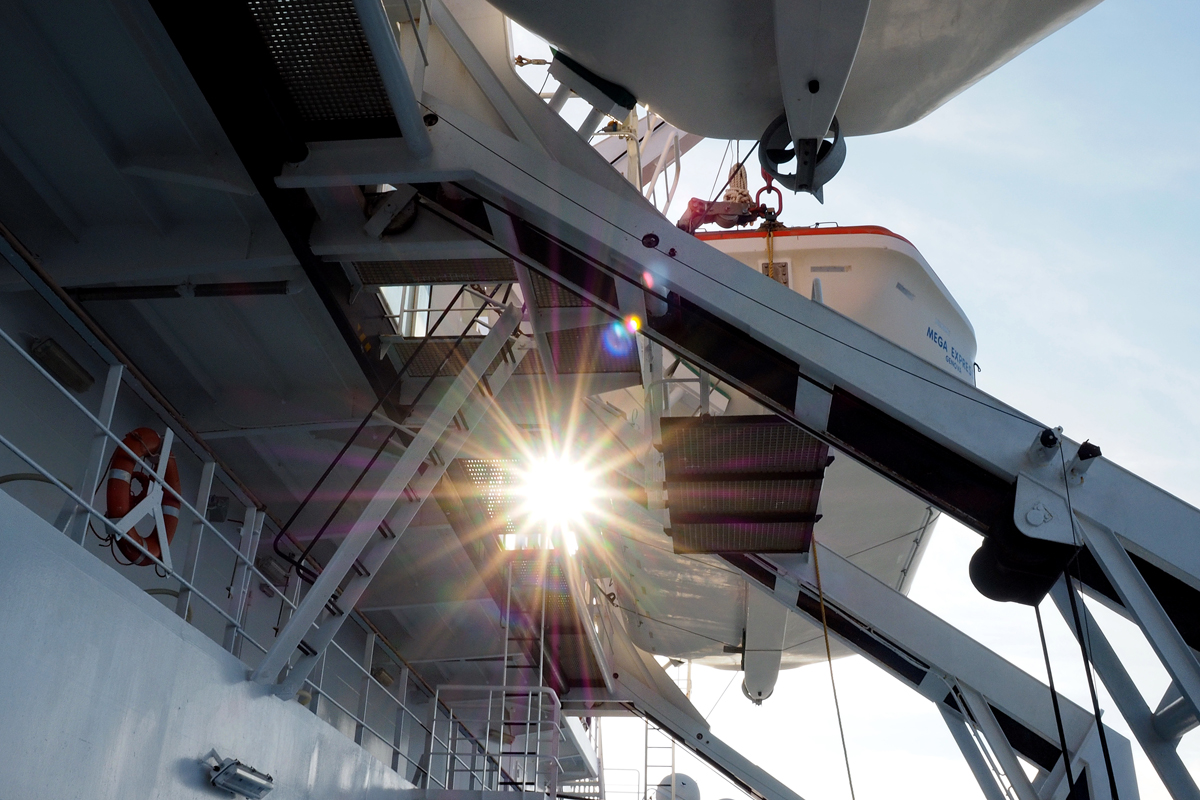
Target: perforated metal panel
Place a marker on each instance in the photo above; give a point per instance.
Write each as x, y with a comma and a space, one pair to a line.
439, 271
734, 496
739, 445
741, 484
552, 295
494, 480
575, 351
323, 59
758, 537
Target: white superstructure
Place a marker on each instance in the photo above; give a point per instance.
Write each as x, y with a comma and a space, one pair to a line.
360, 282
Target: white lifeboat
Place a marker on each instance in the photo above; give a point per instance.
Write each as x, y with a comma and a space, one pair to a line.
695, 606
873, 276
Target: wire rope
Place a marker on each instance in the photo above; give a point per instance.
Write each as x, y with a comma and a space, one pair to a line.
717, 175
829, 659
720, 697
613, 273
1062, 736
1081, 628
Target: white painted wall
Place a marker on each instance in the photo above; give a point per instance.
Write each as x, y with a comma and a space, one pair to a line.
104, 693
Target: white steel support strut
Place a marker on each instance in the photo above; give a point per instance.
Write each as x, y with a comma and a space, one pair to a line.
932, 656
1159, 749
1140, 603
822, 354
381, 37
985, 718
397, 501
959, 729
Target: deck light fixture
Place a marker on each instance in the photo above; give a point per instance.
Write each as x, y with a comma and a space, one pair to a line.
234, 776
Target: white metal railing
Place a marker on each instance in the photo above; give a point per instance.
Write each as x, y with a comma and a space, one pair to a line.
232, 610
243, 561
519, 728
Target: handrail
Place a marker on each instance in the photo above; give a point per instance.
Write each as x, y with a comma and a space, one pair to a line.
137, 459
245, 561
121, 536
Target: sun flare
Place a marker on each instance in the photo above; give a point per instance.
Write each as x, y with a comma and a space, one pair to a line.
556, 493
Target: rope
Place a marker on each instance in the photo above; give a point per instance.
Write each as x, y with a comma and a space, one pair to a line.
1062, 737
738, 191
1081, 632
829, 659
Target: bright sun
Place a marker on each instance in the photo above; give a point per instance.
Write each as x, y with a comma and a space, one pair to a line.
556, 493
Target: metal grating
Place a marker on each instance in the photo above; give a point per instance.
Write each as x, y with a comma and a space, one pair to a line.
549, 294
751, 537
494, 482
575, 351
434, 353
738, 445
733, 496
323, 59
582, 350
437, 271
741, 484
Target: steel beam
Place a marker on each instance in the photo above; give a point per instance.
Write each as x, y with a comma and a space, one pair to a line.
970, 751
1174, 716
981, 710
482, 74
382, 40
403, 475
502, 230
931, 655
1161, 752
1141, 604
240, 585
365, 683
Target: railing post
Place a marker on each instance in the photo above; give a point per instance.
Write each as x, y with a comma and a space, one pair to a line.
251, 525
73, 519
368, 659
183, 604
401, 711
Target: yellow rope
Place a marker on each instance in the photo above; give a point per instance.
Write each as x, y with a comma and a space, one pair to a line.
770, 250
829, 658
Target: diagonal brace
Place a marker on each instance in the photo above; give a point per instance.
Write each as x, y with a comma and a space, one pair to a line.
404, 513
1139, 600
391, 489
1128, 699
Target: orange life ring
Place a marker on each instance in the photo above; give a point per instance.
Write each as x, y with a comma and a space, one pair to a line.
123, 470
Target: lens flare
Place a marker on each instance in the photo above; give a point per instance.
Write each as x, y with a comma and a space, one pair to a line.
556, 493
632, 324
617, 338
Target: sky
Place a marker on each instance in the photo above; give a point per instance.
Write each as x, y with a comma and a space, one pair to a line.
1058, 200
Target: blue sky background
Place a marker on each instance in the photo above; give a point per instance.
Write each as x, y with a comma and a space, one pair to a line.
1058, 200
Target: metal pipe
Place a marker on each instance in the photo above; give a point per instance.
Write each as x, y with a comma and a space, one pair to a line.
560, 97
590, 123
396, 83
